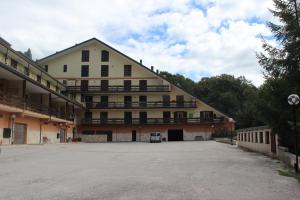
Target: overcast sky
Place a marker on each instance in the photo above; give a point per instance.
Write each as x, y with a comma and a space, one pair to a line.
196, 38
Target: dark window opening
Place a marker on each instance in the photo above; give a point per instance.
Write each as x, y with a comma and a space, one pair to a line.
84, 85
143, 117
104, 70
143, 85
127, 85
166, 117
85, 56
166, 100
267, 135
104, 56
128, 117
39, 78
127, 70
48, 84
104, 101
65, 68
179, 100
46, 68
143, 101
14, 63
206, 115
104, 85
261, 137
127, 101
103, 117
84, 71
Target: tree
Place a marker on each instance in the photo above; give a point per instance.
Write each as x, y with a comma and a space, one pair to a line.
282, 69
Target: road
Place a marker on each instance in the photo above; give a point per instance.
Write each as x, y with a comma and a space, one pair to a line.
121, 171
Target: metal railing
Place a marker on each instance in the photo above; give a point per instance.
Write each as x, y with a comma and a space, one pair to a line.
118, 88
137, 121
21, 103
148, 104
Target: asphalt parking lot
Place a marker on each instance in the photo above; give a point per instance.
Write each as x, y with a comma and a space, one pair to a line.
120, 171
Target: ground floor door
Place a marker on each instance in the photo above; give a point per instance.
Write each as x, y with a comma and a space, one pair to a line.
134, 136
62, 135
20, 133
175, 135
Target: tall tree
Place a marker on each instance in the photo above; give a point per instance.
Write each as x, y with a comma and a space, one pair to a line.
282, 68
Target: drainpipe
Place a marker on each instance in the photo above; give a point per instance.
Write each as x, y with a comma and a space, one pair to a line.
13, 117
40, 131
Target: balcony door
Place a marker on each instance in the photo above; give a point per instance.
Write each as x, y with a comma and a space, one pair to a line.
166, 117
179, 100
166, 100
127, 85
89, 101
206, 116
104, 101
143, 85
143, 117
84, 85
88, 117
127, 101
180, 116
143, 101
104, 85
127, 117
103, 117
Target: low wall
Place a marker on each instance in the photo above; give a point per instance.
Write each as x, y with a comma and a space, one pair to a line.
258, 147
287, 157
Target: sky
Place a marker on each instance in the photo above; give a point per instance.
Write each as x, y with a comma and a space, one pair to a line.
195, 38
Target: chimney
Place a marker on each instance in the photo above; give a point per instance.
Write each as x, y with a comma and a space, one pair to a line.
152, 68
141, 61
157, 71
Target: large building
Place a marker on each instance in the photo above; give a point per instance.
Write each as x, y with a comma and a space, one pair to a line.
32, 107
125, 100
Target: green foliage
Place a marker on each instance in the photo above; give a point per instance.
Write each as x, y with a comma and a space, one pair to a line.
235, 97
282, 70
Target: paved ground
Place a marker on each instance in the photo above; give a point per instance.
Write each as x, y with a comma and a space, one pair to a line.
174, 170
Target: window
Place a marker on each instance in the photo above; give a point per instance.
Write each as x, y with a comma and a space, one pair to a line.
206, 115
14, 63
256, 139
104, 70
261, 140
104, 56
104, 85
48, 84
143, 117
85, 56
84, 85
143, 85
82, 98
84, 71
267, 137
127, 85
65, 68
38, 78
65, 82
166, 100
46, 68
127, 70
179, 100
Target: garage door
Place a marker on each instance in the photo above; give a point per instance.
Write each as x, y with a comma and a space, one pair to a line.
20, 133
175, 135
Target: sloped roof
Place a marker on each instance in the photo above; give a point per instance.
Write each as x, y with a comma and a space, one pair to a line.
92, 40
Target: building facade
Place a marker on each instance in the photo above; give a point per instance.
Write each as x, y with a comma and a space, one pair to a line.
125, 100
33, 109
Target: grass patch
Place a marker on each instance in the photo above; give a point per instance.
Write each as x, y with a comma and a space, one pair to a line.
289, 173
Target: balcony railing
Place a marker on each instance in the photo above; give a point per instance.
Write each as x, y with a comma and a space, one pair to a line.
118, 88
141, 105
20, 102
150, 121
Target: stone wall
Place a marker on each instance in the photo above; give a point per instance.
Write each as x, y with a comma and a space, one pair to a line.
287, 157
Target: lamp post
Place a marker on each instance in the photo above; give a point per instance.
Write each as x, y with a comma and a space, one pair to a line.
293, 100
231, 123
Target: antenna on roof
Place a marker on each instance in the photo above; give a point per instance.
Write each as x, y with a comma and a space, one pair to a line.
152, 68
141, 61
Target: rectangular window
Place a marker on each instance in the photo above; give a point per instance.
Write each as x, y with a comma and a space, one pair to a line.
127, 85
14, 63
65, 68
267, 137
48, 84
104, 85
85, 56
65, 82
143, 117
166, 100
46, 68
103, 117
104, 56
127, 101
84, 71
127, 70
38, 78
143, 85
84, 85
179, 100
104, 70
128, 117
166, 117
256, 139
261, 140
206, 115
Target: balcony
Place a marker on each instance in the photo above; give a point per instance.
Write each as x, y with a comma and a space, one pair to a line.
20, 103
148, 121
118, 88
140, 105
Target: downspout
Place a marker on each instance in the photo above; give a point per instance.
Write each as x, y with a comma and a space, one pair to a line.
40, 131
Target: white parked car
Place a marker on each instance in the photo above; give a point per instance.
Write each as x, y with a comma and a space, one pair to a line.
155, 137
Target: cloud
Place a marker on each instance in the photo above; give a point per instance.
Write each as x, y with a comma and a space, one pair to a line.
193, 37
